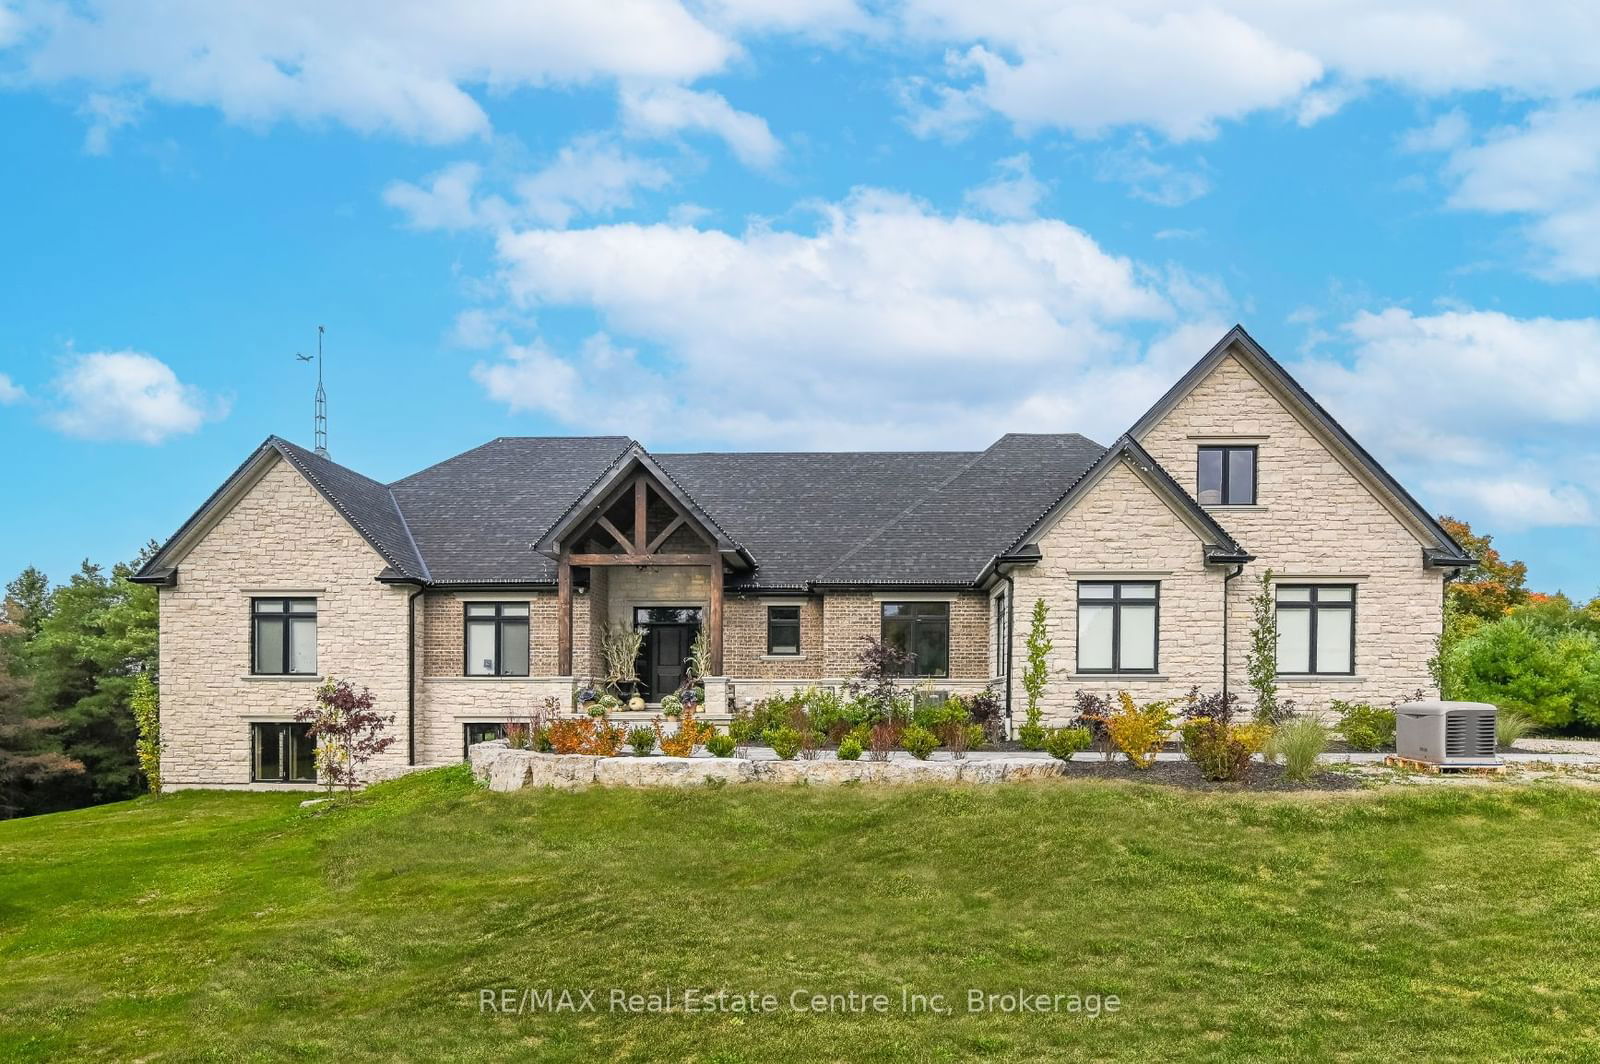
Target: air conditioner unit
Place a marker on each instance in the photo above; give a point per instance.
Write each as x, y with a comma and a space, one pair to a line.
1449, 734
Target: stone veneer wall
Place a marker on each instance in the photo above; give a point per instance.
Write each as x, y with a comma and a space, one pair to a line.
282, 538
1315, 521
1121, 528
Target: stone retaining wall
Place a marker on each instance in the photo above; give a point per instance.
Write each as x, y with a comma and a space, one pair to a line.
504, 769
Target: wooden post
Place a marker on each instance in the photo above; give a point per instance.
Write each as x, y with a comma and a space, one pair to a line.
564, 617
641, 542
714, 621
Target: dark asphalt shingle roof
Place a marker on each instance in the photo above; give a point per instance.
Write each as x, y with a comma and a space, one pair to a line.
900, 517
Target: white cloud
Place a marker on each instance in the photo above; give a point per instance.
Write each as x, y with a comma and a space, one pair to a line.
592, 175
888, 325
588, 176
106, 114
1149, 179
665, 110
1012, 194
1180, 68
128, 395
447, 201
403, 67
1547, 168
1486, 410
529, 378
10, 391
1450, 130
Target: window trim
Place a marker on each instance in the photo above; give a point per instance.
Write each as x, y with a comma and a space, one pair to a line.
285, 617
284, 729
799, 647
1255, 471
499, 621
1115, 602
1315, 608
884, 604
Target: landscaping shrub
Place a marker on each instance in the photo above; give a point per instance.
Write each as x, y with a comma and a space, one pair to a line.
146, 707
1034, 677
348, 730
690, 733
1091, 711
1509, 726
918, 741
1365, 727
988, 711
592, 735
849, 748
518, 737
1062, 743
1551, 675
671, 707
785, 742
643, 740
1223, 750
1298, 744
720, 745
882, 738
1138, 731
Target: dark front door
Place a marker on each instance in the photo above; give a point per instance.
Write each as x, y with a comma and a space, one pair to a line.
669, 632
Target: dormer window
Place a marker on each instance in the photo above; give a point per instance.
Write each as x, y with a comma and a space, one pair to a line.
1227, 476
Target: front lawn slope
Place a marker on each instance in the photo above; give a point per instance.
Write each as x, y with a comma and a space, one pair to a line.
1437, 922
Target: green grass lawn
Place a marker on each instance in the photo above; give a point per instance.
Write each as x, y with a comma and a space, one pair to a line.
1431, 922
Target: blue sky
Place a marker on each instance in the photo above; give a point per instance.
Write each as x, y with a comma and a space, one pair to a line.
759, 225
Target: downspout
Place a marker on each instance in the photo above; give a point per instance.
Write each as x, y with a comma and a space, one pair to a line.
411, 676
1226, 580
1011, 644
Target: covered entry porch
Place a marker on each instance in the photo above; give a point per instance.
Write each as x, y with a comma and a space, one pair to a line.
646, 556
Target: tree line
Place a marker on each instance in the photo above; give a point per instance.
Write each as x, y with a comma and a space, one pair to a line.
69, 656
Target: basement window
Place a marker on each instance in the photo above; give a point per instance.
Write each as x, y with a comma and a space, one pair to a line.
1227, 476
481, 732
283, 637
497, 639
783, 630
1316, 629
282, 753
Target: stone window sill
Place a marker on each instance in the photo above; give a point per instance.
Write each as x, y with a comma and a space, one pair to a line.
1237, 508
1306, 678
783, 657
1117, 677
492, 679
293, 677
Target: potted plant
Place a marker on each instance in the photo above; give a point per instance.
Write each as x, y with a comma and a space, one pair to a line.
672, 706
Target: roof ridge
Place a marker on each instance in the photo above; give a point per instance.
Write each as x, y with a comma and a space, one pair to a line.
609, 466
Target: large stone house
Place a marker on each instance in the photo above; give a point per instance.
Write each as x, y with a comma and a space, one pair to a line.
465, 594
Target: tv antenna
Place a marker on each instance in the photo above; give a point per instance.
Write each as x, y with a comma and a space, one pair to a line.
319, 427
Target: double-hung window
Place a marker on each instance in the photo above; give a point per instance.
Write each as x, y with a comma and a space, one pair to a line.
1227, 476
1118, 626
497, 639
922, 630
282, 753
283, 636
1316, 629
783, 631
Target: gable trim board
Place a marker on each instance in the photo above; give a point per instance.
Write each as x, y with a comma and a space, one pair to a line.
1440, 550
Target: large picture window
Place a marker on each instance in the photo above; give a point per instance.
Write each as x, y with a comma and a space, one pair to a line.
497, 639
922, 630
783, 630
1227, 476
1118, 626
283, 753
283, 637
1316, 628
